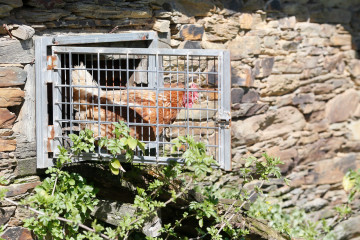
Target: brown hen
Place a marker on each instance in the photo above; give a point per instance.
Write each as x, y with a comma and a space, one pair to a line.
133, 106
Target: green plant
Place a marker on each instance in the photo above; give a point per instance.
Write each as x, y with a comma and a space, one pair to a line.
64, 200
62, 195
122, 143
297, 224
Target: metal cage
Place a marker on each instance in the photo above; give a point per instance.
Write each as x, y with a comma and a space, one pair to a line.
160, 94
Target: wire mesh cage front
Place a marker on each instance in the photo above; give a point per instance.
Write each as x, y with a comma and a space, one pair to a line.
159, 94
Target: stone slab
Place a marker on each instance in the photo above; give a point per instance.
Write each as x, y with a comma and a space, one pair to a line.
41, 15
17, 189
6, 213
17, 233
11, 97
191, 32
245, 46
332, 170
7, 145
342, 106
15, 51
12, 76
97, 11
7, 118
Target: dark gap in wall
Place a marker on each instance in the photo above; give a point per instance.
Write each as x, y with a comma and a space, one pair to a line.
50, 103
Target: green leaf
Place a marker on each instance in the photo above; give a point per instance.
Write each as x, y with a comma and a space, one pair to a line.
71, 182
201, 222
114, 171
132, 142
141, 145
115, 163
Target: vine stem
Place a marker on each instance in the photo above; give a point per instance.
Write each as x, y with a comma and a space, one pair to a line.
232, 205
57, 176
167, 202
58, 218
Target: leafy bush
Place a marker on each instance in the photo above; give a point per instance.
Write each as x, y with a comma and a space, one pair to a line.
64, 201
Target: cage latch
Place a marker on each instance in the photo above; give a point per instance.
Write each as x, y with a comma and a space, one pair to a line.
224, 118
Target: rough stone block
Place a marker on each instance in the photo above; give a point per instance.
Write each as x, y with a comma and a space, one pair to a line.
332, 170
264, 67
26, 166
245, 46
191, 32
7, 145
7, 118
97, 11
15, 51
5, 214
315, 204
162, 26
236, 95
340, 40
250, 96
342, 106
248, 109
17, 189
190, 45
6, 132
5, 10
12, 76
348, 229
267, 126
40, 15
22, 32
212, 45
354, 67
335, 62
277, 85
248, 21
11, 97
287, 23
242, 77
17, 233
288, 156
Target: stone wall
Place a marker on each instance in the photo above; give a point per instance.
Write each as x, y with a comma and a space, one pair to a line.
295, 81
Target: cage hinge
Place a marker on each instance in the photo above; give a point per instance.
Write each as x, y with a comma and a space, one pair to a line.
50, 138
51, 62
224, 118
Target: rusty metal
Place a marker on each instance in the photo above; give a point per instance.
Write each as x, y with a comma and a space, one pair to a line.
7, 30
50, 139
51, 62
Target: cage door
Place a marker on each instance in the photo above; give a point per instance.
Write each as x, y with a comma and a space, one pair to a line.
160, 94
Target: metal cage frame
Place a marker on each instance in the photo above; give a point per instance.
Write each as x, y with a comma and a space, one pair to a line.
47, 71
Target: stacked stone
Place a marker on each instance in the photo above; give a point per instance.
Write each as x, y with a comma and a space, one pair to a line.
298, 63
17, 124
